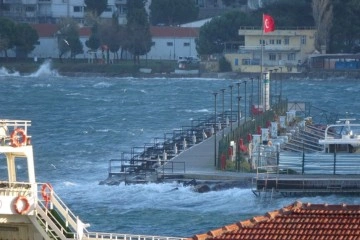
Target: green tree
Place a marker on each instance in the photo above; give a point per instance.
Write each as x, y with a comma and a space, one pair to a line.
111, 36
138, 36
7, 34
94, 41
68, 38
288, 13
323, 14
345, 31
26, 38
96, 7
172, 12
215, 34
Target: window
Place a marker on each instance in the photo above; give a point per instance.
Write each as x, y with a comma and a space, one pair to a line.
278, 41
169, 44
291, 56
303, 40
186, 44
78, 8
272, 41
246, 61
30, 9
262, 42
279, 56
287, 41
272, 57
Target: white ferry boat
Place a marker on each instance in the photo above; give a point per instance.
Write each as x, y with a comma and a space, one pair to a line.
30, 210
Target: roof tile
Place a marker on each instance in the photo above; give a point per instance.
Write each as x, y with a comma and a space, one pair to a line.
296, 221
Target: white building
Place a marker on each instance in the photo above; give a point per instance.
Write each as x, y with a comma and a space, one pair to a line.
168, 43
173, 42
50, 11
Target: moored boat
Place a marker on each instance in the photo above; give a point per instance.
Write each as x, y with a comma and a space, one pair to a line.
32, 210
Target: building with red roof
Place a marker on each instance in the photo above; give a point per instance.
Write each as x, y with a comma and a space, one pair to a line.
296, 221
168, 42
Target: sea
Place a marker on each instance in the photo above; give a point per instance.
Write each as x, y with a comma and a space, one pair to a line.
80, 123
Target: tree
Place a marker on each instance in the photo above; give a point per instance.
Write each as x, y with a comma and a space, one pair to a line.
94, 40
288, 13
323, 14
215, 34
345, 32
26, 38
7, 34
111, 37
96, 7
68, 38
172, 12
138, 37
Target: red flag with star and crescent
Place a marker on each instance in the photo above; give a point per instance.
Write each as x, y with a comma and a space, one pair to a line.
268, 23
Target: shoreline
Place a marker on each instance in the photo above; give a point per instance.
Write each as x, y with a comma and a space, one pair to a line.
215, 75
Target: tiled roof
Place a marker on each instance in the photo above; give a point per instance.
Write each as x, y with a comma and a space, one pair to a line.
297, 221
49, 30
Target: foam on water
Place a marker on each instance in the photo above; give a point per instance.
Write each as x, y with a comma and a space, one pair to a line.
45, 70
79, 124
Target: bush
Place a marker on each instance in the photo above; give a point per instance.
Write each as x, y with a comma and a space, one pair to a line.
224, 65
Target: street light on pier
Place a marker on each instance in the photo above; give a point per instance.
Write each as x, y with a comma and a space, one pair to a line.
245, 100
215, 142
252, 97
239, 112
270, 76
280, 83
276, 76
223, 111
231, 87
264, 100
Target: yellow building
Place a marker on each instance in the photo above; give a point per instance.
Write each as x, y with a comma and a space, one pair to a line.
283, 49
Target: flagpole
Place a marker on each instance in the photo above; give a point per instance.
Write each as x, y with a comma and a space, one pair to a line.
262, 62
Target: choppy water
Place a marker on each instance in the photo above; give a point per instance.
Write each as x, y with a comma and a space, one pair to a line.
78, 124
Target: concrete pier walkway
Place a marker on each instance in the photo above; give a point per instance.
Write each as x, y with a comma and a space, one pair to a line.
199, 160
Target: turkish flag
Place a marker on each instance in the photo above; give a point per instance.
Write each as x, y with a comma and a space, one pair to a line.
268, 23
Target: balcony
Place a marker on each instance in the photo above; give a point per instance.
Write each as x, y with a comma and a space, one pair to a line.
269, 48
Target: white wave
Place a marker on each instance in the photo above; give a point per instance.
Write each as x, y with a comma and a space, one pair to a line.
197, 111
6, 72
102, 85
45, 70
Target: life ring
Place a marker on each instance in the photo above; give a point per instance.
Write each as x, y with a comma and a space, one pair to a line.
46, 194
26, 205
15, 139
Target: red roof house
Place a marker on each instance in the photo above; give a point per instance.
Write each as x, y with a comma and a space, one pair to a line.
296, 221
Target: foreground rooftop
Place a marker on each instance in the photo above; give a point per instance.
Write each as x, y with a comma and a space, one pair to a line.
296, 221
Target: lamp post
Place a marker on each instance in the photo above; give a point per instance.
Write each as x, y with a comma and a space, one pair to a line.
238, 87
215, 143
259, 93
252, 97
245, 100
239, 112
264, 100
231, 87
238, 94
280, 83
223, 110
275, 77
270, 95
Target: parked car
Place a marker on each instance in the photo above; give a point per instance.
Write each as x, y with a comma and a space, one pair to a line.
188, 60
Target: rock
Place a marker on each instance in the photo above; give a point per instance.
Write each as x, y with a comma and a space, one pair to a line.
202, 188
